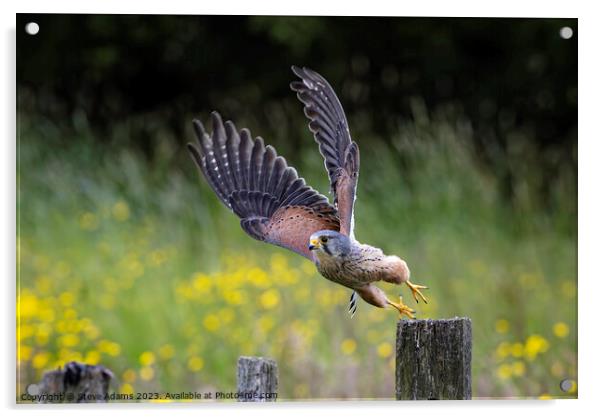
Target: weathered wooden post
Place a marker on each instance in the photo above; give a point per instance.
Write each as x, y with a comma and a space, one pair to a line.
74, 383
257, 379
433, 359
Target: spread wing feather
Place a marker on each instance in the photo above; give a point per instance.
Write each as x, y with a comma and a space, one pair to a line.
331, 131
273, 203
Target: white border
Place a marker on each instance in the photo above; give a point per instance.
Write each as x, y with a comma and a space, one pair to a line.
590, 207
460, 8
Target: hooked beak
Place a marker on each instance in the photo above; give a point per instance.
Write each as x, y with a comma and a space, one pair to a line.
313, 244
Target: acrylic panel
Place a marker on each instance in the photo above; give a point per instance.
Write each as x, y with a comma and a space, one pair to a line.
166, 260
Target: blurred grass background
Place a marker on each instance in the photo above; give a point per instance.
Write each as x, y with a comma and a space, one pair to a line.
127, 259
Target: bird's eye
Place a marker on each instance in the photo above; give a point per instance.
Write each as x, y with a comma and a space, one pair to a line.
324, 240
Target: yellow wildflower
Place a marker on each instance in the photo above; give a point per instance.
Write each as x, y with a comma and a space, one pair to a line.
111, 348
43, 332
66, 299
226, 315
69, 340
535, 345
502, 326
147, 373
25, 331
27, 305
348, 346
211, 322
91, 331
66, 355
24, 352
234, 297
278, 262
561, 329
266, 323
270, 299
40, 360
127, 389
167, 351
202, 283
61, 326
46, 315
504, 371
517, 350
121, 211
258, 277
385, 349
70, 314
195, 363
147, 358
518, 368
129, 376
92, 357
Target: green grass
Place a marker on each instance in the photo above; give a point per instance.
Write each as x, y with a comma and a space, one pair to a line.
133, 263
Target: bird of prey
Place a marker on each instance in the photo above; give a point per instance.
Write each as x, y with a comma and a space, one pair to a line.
276, 206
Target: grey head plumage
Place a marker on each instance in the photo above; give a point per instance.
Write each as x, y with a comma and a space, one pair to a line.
332, 243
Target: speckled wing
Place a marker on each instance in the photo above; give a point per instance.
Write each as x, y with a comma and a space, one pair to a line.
274, 205
329, 126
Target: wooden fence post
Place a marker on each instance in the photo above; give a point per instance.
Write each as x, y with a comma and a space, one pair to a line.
433, 359
257, 379
74, 383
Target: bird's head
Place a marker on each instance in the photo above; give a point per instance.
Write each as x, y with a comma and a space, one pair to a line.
329, 243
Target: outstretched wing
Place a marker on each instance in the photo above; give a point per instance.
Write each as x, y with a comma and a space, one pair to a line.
274, 205
329, 126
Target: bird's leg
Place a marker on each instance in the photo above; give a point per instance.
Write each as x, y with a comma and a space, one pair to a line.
402, 308
415, 288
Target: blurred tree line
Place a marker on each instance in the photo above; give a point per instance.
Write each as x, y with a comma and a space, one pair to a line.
514, 79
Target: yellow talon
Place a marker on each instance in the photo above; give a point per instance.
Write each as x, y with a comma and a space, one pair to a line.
402, 308
416, 290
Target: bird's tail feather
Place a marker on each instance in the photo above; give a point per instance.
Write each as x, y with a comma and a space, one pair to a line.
353, 303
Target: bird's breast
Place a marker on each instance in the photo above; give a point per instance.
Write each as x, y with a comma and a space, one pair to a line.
342, 270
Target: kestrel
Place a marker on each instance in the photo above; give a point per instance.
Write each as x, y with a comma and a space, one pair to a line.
276, 206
